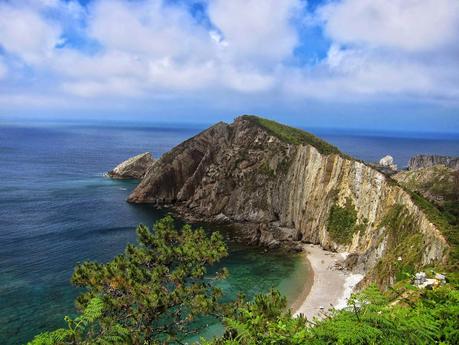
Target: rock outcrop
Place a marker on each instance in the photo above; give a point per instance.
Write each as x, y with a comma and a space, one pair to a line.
388, 161
133, 168
385, 165
426, 161
438, 183
280, 184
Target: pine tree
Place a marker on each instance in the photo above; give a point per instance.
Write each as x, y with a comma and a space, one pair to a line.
152, 293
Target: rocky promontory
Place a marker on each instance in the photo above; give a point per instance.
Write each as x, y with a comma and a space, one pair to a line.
278, 184
427, 161
133, 168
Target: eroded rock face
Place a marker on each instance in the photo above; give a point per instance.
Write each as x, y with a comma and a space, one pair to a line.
133, 168
427, 161
242, 173
438, 183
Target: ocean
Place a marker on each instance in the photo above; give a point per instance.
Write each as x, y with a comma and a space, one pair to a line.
57, 209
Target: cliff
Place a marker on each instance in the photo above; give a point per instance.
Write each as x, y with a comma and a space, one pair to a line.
427, 161
133, 168
281, 184
438, 183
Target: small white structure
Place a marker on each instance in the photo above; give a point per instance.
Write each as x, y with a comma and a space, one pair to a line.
419, 278
388, 161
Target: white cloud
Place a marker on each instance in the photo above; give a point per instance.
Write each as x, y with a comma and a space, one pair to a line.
3, 69
25, 33
149, 27
152, 48
411, 25
256, 31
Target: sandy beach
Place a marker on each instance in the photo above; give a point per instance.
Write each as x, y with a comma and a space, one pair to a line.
330, 286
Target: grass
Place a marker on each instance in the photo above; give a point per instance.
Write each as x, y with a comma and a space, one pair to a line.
450, 231
294, 136
342, 222
403, 241
443, 219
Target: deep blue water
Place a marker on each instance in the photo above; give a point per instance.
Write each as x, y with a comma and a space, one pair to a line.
57, 209
371, 147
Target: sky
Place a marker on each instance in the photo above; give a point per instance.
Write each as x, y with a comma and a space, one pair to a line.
377, 64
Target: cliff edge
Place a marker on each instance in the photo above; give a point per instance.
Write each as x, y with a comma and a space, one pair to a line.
280, 184
428, 161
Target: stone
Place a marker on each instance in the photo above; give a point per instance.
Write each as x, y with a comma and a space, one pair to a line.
426, 161
388, 162
133, 168
263, 183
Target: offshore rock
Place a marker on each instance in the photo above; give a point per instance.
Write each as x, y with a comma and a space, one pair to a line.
265, 178
388, 161
133, 168
426, 161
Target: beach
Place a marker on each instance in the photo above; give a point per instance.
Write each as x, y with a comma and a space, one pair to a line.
331, 286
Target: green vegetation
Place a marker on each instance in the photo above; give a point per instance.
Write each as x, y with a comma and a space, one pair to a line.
152, 293
266, 170
420, 317
438, 218
156, 290
293, 135
342, 222
445, 215
405, 247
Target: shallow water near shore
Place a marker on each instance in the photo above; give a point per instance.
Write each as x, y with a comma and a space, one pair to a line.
57, 209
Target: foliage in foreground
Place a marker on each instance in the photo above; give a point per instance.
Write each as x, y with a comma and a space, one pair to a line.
155, 291
152, 293
427, 317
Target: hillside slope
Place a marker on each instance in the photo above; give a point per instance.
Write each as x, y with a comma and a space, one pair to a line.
279, 183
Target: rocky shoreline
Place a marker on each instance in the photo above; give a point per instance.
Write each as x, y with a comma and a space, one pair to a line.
278, 186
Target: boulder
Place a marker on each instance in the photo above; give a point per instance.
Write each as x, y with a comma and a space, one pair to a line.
388, 161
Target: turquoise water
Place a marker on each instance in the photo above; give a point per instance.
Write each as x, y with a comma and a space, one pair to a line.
57, 209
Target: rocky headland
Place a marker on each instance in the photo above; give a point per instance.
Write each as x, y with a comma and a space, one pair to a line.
279, 186
427, 161
133, 168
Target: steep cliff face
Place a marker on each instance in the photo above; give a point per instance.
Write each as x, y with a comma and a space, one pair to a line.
280, 184
427, 161
133, 168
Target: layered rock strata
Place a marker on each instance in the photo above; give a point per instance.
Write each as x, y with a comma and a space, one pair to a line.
427, 161
279, 184
133, 168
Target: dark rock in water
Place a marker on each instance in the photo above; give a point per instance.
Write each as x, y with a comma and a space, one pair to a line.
427, 161
133, 168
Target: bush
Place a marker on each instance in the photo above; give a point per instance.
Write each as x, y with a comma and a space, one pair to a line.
342, 222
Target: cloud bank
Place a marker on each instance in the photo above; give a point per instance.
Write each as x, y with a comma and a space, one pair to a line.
60, 54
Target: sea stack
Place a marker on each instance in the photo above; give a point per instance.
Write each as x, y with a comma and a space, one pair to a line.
133, 168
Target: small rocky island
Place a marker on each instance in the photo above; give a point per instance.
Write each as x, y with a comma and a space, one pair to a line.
133, 168
281, 186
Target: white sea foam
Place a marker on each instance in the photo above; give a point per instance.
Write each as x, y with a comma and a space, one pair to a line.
351, 281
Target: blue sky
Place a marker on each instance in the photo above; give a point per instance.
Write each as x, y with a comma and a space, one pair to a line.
343, 64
